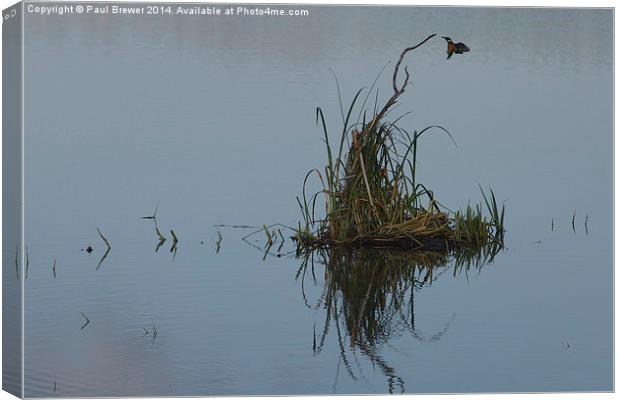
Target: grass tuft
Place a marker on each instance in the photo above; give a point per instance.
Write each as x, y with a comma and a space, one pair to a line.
372, 195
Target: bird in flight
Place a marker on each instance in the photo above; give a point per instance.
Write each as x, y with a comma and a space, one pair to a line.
455, 48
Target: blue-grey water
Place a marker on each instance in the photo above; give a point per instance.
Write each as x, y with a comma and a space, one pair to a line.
213, 119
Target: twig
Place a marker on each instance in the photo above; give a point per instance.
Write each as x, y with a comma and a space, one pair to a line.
267, 248
175, 240
397, 92
585, 223
161, 237
159, 244
269, 240
575, 212
17, 260
218, 243
262, 250
281, 242
104, 239
262, 229
54, 268
154, 216
154, 332
102, 258
28, 261
400, 60
87, 320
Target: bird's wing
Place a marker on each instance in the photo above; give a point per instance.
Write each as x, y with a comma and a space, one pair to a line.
463, 47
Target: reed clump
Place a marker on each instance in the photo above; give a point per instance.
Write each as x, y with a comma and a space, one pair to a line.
372, 195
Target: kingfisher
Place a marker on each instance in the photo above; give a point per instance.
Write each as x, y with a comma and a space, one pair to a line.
458, 48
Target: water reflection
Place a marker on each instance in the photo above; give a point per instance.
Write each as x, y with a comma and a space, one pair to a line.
103, 258
369, 298
269, 239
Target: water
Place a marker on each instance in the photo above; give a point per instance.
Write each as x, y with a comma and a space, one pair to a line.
214, 120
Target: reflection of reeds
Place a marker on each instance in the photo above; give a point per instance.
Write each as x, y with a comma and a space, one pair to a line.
154, 216
218, 242
372, 289
104, 238
271, 238
175, 241
28, 262
160, 237
372, 195
103, 258
108, 248
87, 320
368, 297
17, 260
154, 332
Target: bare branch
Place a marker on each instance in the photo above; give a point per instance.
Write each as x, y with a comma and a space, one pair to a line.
400, 60
397, 92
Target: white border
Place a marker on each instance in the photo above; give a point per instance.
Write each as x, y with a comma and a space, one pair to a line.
484, 3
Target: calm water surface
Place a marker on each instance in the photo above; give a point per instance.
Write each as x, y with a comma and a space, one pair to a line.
214, 119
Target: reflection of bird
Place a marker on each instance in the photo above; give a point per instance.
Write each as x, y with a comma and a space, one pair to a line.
458, 48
